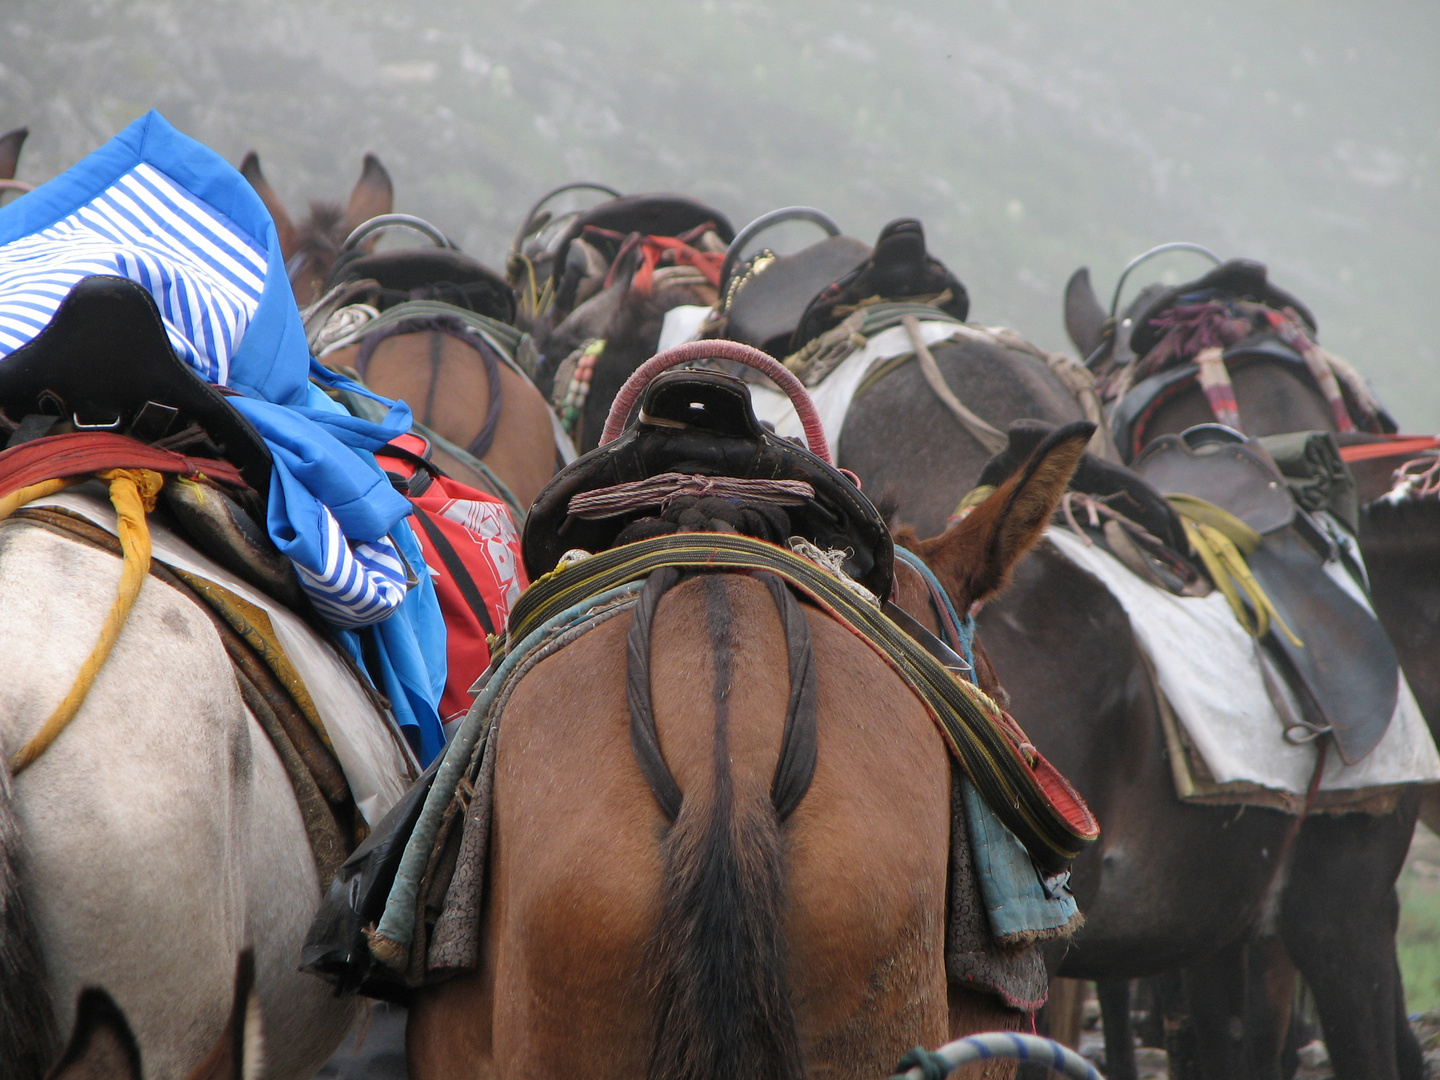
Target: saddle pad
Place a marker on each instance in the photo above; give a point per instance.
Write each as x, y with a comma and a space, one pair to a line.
837, 390
1346, 663
377, 761
1206, 667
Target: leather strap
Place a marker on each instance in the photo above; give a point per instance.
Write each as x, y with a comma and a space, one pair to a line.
455, 566
795, 767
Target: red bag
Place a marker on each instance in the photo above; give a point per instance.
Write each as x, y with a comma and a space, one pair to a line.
472, 549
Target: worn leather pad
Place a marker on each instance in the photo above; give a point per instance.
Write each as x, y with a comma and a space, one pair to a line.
105, 357
1237, 476
766, 310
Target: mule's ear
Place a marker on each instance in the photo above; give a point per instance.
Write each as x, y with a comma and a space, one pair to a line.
373, 195
239, 1052
1084, 317
974, 558
102, 1047
10, 144
250, 169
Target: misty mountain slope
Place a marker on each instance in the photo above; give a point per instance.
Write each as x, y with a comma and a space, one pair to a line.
1031, 137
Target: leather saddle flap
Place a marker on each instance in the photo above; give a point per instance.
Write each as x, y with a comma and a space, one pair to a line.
105, 361
1346, 668
1347, 664
769, 305
1223, 468
702, 423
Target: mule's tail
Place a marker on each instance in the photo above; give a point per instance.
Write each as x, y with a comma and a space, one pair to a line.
717, 956
29, 1039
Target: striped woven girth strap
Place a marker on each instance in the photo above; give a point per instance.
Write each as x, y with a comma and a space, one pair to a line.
972, 725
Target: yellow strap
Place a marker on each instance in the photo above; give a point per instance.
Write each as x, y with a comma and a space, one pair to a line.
1227, 568
132, 492
1236, 531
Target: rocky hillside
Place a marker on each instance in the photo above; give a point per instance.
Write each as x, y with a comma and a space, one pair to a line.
1030, 135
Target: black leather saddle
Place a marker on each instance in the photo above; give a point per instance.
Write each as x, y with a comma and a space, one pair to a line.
105, 362
701, 423
897, 269
767, 308
1237, 279
1123, 490
427, 274
1345, 673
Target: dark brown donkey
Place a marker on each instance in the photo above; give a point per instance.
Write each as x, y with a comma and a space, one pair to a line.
311, 248
1170, 883
1338, 911
726, 945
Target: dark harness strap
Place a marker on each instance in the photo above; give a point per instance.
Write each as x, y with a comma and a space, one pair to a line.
457, 570
644, 740
444, 324
798, 745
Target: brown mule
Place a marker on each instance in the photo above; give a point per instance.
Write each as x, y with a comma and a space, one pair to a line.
445, 381
102, 1046
727, 944
310, 248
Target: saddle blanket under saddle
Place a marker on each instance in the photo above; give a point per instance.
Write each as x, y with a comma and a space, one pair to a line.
374, 756
835, 392
1225, 737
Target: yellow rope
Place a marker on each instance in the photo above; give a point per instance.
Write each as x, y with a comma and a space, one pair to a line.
1222, 541
132, 492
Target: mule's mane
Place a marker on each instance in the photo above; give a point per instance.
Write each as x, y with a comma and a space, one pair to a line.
320, 234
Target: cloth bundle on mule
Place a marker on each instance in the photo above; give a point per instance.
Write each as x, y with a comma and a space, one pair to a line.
155, 213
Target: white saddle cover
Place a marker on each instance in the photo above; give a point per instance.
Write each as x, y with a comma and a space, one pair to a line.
1206, 667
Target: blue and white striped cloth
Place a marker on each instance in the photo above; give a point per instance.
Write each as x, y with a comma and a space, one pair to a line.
208, 275
159, 208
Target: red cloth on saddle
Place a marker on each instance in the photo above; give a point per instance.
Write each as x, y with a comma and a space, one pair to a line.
1392, 446
82, 452
654, 248
472, 549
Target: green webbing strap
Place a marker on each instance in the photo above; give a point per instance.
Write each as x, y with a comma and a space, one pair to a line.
502, 337
971, 724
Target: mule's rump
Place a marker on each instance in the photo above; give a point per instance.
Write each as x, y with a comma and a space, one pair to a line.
578, 873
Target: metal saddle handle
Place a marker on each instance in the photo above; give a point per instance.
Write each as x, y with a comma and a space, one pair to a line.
720, 350
766, 222
530, 225
1146, 256
397, 221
